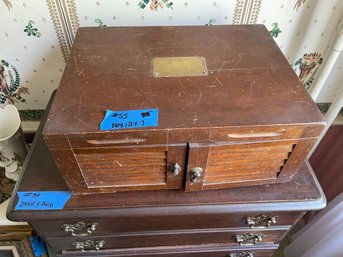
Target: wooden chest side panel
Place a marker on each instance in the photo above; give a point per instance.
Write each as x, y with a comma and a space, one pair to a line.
298, 155
69, 169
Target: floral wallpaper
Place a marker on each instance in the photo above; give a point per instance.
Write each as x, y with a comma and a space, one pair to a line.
31, 63
36, 36
306, 28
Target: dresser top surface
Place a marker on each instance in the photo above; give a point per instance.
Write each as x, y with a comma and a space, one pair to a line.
41, 174
249, 81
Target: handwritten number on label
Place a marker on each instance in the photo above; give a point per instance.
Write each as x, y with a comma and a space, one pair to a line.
120, 115
32, 194
42, 200
130, 124
129, 119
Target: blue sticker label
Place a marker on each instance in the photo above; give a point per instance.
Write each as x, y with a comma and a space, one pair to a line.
38, 246
42, 200
129, 119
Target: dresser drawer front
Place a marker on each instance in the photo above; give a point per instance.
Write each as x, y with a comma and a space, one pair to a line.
263, 251
174, 238
153, 223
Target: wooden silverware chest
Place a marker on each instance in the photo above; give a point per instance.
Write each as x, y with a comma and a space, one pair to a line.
233, 222
231, 111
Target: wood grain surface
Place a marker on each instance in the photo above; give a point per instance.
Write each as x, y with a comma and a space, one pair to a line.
248, 99
250, 81
41, 174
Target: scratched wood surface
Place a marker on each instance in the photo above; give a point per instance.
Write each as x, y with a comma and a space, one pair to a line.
111, 68
249, 101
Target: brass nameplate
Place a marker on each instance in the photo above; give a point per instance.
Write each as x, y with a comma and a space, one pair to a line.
179, 66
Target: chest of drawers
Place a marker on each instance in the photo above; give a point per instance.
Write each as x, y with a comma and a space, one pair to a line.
235, 222
231, 111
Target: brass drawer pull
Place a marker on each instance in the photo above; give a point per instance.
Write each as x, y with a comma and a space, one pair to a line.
80, 228
257, 221
248, 239
176, 169
241, 254
89, 245
195, 173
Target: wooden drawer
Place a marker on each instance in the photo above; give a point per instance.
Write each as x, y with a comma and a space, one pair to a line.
108, 140
263, 251
228, 237
107, 226
264, 133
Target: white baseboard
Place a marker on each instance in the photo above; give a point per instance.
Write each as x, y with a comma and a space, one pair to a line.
30, 126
